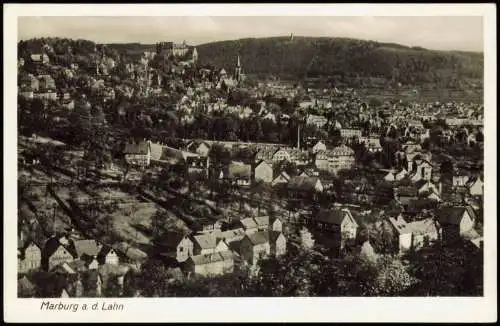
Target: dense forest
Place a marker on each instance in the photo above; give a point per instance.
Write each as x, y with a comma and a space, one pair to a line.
346, 59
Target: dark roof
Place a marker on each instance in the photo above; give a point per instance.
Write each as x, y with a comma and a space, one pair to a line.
136, 148
332, 216
51, 246
420, 183
170, 240
453, 215
303, 183
104, 251
258, 237
408, 191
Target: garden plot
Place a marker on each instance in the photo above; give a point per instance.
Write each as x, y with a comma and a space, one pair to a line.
131, 221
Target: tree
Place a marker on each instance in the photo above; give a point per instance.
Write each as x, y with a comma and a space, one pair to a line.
393, 278
153, 279
447, 270
446, 167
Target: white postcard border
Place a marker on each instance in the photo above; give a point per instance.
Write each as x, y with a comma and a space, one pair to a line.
253, 309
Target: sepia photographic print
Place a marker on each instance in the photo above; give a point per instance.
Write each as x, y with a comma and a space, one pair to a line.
191, 152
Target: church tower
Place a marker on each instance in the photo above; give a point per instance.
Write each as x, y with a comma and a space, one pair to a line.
237, 72
194, 56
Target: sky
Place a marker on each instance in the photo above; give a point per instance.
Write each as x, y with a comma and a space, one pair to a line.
463, 33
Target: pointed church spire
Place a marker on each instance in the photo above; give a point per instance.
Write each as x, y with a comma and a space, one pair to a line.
239, 63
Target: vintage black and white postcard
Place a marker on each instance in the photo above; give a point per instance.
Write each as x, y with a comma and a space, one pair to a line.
250, 163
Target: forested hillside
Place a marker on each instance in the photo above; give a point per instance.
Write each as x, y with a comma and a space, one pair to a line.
346, 59
357, 63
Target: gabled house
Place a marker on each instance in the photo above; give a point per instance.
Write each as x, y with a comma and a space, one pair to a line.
30, 257
339, 158
217, 263
184, 249
339, 221
414, 235
304, 186
55, 253
176, 246
201, 148
107, 255
263, 172
475, 187
204, 243
281, 154
281, 178
255, 246
456, 221
422, 171
277, 242
277, 225
138, 153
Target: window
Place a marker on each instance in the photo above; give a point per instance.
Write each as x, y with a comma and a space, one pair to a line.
181, 249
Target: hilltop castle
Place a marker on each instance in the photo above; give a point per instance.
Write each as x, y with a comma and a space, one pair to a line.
171, 48
182, 50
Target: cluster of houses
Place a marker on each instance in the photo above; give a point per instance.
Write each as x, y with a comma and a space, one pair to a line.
83, 264
263, 164
222, 250
41, 87
451, 223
